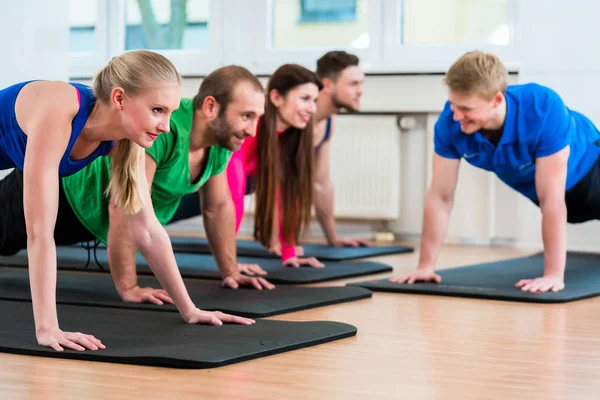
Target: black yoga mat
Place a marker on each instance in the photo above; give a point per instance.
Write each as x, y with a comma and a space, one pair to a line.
496, 280
204, 266
320, 251
98, 290
163, 339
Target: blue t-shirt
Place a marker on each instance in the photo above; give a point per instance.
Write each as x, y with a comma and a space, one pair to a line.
537, 124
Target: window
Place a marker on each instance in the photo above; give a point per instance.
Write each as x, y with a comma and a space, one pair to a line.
327, 10
454, 22
310, 23
188, 32
167, 24
429, 35
83, 18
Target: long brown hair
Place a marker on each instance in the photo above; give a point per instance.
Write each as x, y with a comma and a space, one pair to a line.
285, 163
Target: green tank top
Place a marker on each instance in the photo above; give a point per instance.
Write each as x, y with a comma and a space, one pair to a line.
85, 190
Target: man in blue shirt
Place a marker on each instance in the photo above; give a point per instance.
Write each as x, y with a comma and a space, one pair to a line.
533, 142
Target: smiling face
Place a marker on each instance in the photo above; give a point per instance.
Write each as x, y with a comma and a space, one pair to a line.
474, 112
145, 116
240, 118
297, 107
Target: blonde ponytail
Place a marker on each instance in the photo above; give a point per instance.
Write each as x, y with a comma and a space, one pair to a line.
123, 187
133, 71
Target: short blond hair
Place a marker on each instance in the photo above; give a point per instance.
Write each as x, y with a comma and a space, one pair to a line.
133, 71
477, 73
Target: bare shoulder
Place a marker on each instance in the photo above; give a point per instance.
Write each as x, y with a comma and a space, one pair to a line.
41, 99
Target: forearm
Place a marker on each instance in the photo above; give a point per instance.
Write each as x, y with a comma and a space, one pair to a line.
554, 236
42, 277
288, 246
155, 245
323, 202
220, 231
121, 257
435, 224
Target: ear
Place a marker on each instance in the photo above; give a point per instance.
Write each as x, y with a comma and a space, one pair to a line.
498, 98
117, 97
275, 98
328, 85
210, 107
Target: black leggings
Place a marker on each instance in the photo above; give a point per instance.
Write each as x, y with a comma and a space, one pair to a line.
13, 231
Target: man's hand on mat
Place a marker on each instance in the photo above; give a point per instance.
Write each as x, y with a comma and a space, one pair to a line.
137, 294
236, 280
58, 340
420, 275
542, 284
217, 318
347, 242
296, 262
251, 269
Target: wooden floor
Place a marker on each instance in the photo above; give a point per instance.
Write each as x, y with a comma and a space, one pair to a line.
407, 347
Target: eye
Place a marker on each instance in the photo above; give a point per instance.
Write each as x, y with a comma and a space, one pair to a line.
157, 110
247, 116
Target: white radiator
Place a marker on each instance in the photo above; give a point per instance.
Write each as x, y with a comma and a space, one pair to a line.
365, 167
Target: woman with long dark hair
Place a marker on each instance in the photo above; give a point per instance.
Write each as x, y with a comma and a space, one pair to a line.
278, 163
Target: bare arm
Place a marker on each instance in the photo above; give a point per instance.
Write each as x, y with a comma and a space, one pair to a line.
218, 213
324, 195
44, 111
122, 254
438, 207
155, 245
550, 181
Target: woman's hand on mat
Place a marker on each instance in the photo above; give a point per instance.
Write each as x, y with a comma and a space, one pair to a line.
217, 318
58, 340
236, 280
137, 294
420, 275
347, 242
542, 284
251, 269
298, 262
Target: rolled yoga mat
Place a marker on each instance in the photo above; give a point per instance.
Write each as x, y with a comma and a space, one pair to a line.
163, 339
496, 280
204, 266
98, 290
322, 252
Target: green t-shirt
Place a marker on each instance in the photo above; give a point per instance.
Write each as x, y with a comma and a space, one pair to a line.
85, 190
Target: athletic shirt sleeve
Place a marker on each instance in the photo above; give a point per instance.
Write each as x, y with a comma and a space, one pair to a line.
442, 141
553, 133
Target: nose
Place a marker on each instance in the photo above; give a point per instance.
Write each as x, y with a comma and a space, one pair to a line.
312, 108
164, 125
250, 129
457, 115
